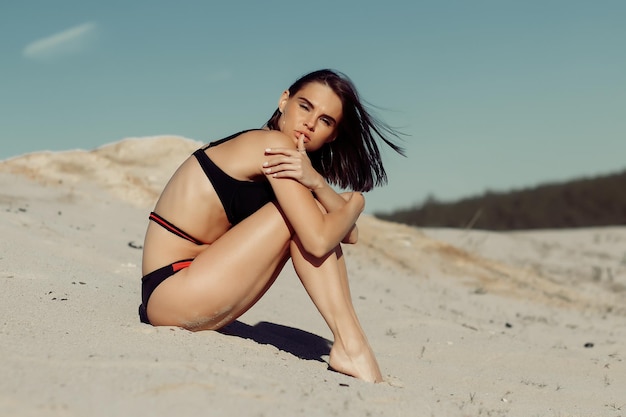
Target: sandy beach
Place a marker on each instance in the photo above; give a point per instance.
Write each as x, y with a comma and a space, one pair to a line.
464, 323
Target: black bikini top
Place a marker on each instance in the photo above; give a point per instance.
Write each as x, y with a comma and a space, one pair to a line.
239, 198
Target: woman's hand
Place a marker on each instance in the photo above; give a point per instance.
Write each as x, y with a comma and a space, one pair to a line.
294, 164
353, 236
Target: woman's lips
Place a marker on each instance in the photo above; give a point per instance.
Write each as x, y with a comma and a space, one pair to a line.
306, 138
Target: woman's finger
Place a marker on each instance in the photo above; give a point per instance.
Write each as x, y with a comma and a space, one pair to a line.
283, 160
279, 151
301, 147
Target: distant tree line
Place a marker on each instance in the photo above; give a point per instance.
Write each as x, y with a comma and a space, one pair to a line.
599, 201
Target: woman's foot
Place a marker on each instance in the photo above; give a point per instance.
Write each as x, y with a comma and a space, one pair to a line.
359, 363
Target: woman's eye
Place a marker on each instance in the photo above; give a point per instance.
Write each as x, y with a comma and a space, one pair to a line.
304, 106
326, 122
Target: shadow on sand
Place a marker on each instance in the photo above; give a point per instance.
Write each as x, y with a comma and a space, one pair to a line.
299, 343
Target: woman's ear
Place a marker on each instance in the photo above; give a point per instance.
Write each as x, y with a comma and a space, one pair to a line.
282, 102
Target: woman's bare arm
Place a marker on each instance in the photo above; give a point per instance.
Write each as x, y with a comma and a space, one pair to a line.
318, 232
332, 201
285, 162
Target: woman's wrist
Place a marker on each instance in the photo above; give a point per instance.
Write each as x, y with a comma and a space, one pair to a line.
321, 183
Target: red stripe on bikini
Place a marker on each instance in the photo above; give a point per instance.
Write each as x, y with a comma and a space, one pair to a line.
172, 229
180, 265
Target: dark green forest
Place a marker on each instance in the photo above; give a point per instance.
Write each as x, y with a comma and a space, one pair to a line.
587, 202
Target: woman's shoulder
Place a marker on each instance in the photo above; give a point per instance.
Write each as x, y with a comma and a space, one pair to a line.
267, 138
266, 134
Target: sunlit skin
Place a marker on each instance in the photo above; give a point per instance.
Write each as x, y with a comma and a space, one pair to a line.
238, 264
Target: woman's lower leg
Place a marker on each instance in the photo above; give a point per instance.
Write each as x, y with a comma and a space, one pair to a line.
326, 282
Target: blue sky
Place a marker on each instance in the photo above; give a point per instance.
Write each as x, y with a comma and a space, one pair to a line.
493, 95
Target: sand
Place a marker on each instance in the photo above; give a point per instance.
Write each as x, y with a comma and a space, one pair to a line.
464, 323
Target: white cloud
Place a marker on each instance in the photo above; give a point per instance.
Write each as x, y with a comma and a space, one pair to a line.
70, 41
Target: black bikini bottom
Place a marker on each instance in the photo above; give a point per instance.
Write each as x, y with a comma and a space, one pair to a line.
152, 280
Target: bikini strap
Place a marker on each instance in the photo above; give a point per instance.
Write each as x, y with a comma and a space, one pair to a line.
170, 227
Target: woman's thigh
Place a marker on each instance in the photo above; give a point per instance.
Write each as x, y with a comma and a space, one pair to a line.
227, 277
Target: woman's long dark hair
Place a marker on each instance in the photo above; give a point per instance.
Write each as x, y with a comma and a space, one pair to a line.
352, 160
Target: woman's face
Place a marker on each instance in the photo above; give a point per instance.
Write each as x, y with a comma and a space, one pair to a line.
314, 111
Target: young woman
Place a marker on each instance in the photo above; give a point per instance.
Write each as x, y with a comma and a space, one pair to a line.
236, 210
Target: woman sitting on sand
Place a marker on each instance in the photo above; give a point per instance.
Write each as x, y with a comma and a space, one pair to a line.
214, 246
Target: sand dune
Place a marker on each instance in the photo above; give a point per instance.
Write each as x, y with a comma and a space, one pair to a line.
464, 322
134, 170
